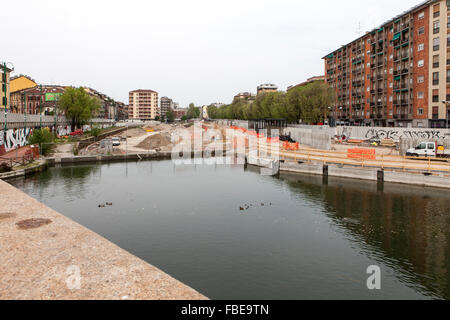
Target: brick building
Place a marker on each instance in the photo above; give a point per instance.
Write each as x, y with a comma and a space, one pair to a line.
397, 75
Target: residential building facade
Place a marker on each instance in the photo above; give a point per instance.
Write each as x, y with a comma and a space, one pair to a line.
4, 87
310, 80
266, 88
247, 96
179, 113
397, 75
22, 82
37, 99
166, 104
143, 105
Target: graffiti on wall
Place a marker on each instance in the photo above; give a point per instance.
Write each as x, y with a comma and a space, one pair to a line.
63, 131
14, 138
379, 134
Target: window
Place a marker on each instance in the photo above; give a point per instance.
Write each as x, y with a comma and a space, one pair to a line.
435, 95
436, 27
420, 79
435, 112
421, 30
436, 61
448, 76
421, 47
420, 63
420, 95
436, 11
435, 78
448, 40
436, 44
421, 15
420, 111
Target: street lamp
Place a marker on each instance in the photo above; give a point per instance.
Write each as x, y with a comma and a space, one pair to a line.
5, 91
446, 112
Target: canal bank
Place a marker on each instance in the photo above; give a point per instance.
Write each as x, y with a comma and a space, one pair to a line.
45, 255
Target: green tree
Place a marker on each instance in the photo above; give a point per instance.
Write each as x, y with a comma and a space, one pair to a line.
311, 102
193, 112
44, 138
78, 106
170, 116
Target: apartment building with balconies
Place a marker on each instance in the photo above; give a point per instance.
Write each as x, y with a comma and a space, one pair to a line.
396, 75
166, 105
143, 105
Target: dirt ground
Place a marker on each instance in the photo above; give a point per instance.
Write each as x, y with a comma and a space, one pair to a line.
156, 141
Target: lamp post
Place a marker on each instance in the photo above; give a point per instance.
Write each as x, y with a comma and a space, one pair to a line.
25, 110
40, 109
446, 112
5, 97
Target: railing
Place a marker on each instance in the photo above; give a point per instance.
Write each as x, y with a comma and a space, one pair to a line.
404, 163
24, 160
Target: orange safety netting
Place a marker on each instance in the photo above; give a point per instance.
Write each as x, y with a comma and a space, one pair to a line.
367, 154
291, 146
273, 140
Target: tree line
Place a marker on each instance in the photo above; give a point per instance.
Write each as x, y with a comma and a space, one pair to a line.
308, 104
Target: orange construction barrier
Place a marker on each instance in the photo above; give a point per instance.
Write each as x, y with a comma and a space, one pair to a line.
273, 140
291, 146
367, 154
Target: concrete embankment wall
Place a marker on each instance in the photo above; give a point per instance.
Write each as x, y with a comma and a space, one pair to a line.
406, 137
413, 178
45, 255
313, 136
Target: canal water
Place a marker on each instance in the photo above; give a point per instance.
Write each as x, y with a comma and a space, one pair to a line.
297, 237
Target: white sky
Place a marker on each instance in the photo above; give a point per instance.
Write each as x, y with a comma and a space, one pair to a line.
199, 51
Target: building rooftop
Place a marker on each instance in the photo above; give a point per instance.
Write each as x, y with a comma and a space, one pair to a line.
411, 10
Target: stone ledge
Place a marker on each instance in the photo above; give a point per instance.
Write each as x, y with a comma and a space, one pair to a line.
34, 262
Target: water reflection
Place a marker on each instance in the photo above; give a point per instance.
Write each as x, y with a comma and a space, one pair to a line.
315, 241
407, 227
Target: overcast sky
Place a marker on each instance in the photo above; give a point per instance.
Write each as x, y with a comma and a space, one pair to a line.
199, 51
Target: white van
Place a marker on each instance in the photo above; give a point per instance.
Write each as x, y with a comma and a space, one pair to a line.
428, 149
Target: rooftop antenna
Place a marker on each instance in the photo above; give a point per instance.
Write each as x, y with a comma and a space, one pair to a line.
359, 29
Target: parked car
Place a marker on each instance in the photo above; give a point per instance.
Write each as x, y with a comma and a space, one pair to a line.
78, 132
116, 141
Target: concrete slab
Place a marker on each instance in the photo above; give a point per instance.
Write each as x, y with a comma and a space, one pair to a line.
45, 255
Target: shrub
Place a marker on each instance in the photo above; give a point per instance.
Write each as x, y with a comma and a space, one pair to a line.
95, 132
44, 138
